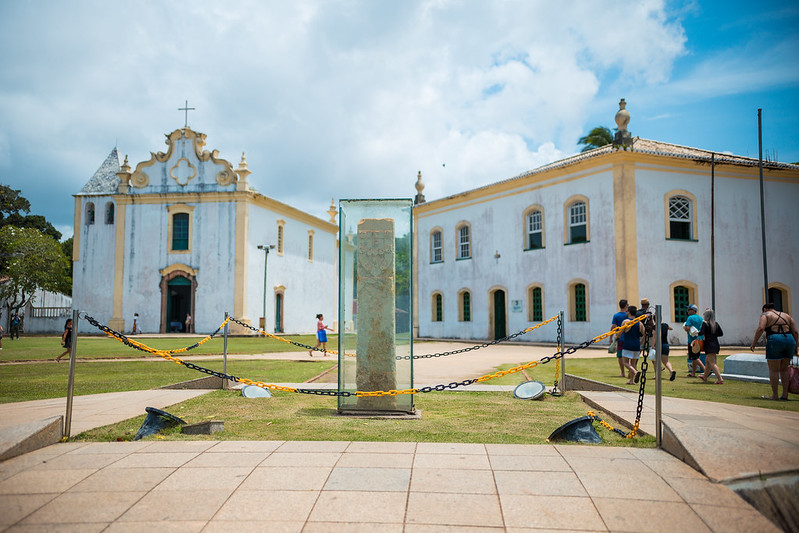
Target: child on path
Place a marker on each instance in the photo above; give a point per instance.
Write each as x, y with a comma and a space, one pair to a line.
66, 339
321, 335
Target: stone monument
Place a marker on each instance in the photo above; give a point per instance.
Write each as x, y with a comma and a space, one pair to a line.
376, 361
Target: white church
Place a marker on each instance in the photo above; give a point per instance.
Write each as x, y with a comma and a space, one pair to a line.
639, 218
184, 235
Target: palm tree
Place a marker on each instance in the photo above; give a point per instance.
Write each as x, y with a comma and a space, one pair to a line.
599, 136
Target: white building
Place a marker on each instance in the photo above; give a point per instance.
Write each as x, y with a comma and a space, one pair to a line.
180, 235
582, 233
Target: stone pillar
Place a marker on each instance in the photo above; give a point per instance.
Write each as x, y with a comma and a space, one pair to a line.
376, 363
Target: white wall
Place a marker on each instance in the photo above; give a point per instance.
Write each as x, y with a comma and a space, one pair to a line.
93, 274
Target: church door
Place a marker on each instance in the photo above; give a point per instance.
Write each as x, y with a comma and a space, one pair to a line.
177, 300
500, 328
279, 313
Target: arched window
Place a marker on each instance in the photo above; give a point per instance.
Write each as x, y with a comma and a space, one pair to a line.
680, 218
780, 295
534, 229
436, 251
109, 213
90, 213
578, 222
465, 306
310, 244
535, 304
180, 228
578, 301
464, 241
437, 307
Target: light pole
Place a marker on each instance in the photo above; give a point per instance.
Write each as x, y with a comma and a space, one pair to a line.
265, 248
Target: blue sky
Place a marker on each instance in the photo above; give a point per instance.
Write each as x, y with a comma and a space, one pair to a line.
348, 99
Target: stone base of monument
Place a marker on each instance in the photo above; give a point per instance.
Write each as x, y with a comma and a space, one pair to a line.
392, 415
746, 367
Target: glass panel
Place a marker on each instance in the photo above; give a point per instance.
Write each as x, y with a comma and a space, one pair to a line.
534, 230
180, 231
579, 303
680, 230
436, 247
463, 242
375, 303
467, 307
577, 233
439, 308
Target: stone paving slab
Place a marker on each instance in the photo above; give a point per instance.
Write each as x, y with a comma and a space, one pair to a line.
362, 486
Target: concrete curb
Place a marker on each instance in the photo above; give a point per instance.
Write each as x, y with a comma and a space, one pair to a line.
24, 438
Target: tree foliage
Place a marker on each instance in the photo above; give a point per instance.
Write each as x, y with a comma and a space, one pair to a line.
598, 136
12, 207
32, 261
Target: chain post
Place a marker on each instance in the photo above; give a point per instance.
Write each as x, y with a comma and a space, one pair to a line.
224, 352
563, 359
658, 373
71, 385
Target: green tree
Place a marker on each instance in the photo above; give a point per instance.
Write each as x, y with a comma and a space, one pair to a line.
66, 247
13, 204
33, 261
599, 136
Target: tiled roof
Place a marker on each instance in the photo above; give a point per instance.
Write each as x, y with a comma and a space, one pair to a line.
105, 180
645, 146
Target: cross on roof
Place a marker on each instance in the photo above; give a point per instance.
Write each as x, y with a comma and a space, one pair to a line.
186, 108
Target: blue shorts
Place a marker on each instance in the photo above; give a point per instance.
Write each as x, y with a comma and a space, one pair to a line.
780, 346
664, 349
321, 335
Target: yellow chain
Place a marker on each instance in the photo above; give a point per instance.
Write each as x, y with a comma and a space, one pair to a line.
629, 435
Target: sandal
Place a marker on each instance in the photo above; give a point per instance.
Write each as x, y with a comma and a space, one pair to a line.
703, 378
767, 398
721, 382
637, 377
673, 375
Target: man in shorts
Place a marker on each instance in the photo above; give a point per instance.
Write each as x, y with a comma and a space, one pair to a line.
617, 320
694, 321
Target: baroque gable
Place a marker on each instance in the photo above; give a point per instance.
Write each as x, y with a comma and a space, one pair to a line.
184, 167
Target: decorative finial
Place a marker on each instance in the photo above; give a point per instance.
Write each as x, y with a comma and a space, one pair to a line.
623, 138
125, 165
419, 188
332, 211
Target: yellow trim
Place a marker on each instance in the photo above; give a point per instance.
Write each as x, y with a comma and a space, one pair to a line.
566, 219
240, 268
572, 316
178, 266
625, 233
681, 192
117, 321
173, 210
251, 197
534, 207
529, 293
692, 296
76, 230
176, 165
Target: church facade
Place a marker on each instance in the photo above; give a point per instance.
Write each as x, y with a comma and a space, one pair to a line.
622, 221
183, 235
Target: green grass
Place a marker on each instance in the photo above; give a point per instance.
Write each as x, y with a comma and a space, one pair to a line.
606, 370
36, 348
39, 381
482, 417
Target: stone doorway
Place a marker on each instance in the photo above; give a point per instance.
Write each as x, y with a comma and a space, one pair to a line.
178, 289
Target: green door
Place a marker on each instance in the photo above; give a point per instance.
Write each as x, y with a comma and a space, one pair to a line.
500, 327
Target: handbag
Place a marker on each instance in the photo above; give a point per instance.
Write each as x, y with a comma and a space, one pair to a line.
793, 380
612, 347
652, 354
698, 346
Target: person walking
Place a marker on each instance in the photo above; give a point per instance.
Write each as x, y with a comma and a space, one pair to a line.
321, 335
14, 331
632, 345
781, 341
692, 326
664, 349
66, 339
615, 322
711, 331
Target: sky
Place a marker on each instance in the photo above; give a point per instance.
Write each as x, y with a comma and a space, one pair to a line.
334, 99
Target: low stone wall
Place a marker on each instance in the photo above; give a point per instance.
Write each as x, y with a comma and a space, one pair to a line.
578, 383
210, 382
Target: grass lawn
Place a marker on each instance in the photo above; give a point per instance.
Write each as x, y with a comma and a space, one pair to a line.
606, 370
38, 381
36, 348
483, 417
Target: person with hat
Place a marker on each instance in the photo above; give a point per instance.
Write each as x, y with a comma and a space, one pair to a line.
692, 326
